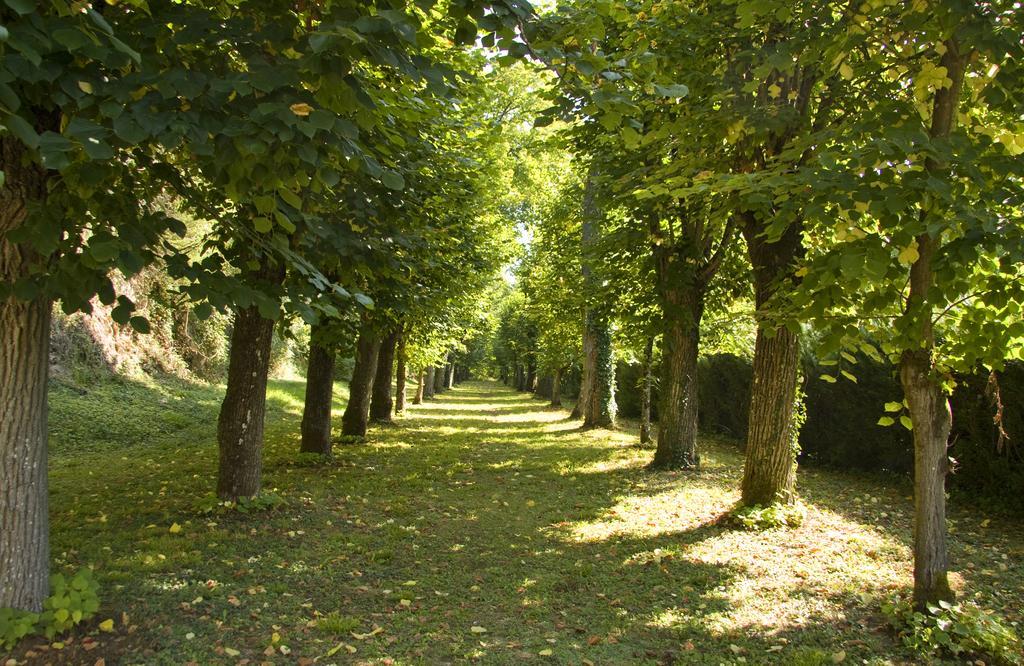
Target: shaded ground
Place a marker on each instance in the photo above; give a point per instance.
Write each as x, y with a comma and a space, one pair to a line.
483, 526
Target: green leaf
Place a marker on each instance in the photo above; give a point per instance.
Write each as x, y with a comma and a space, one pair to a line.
22, 7
262, 224
886, 421
392, 180
828, 378
21, 128
675, 90
906, 422
894, 406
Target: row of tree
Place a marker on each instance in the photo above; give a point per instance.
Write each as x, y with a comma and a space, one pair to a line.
342, 152
851, 169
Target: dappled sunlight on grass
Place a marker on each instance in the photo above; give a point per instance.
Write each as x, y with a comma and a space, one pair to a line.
482, 508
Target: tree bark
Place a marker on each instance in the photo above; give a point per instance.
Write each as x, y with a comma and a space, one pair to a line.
355, 420
599, 408
449, 373
316, 415
428, 384
597, 392
382, 403
769, 472
439, 379
682, 309
421, 379
401, 375
556, 388
645, 393
531, 377
927, 403
24, 370
240, 423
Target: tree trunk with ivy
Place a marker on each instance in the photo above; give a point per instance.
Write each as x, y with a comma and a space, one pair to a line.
439, 386
401, 375
926, 401
682, 303
355, 420
556, 388
316, 415
428, 382
421, 380
645, 392
240, 422
24, 370
769, 473
599, 409
381, 402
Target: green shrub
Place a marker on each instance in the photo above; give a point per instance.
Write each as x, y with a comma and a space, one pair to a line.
336, 624
69, 604
757, 517
961, 629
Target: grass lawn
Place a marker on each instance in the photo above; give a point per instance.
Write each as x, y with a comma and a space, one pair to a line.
483, 526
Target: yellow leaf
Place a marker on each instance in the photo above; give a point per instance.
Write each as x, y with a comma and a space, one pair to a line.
774, 91
909, 254
175, 528
846, 71
275, 638
301, 109
405, 602
107, 625
231, 652
85, 87
545, 653
478, 630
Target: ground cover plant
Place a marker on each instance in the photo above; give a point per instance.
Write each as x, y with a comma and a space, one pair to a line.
483, 526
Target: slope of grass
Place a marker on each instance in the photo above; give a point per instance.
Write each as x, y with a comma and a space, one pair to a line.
483, 526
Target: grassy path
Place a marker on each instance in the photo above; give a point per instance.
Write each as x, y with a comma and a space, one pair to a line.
483, 526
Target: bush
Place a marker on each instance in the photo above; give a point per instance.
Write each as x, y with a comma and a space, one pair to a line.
957, 630
69, 604
724, 394
758, 518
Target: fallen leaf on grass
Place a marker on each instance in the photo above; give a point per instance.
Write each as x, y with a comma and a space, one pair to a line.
362, 637
107, 625
477, 630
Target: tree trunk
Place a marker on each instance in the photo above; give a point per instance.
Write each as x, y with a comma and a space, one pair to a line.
382, 403
449, 373
682, 309
421, 379
439, 379
357, 412
769, 472
401, 375
428, 384
929, 409
531, 377
645, 393
556, 388
24, 369
240, 423
316, 416
599, 409
597, 393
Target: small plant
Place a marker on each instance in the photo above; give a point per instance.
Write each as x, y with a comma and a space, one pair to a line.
262, 502
69, 604
757, 517
956, 629
306, 459
350, 439
336, 624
